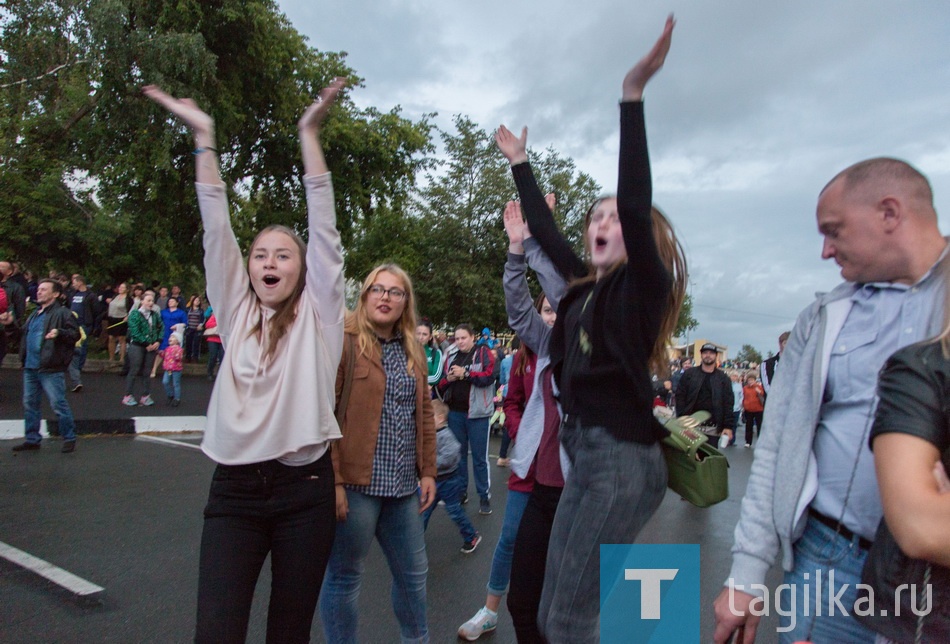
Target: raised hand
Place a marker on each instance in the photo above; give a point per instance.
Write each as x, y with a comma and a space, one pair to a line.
185, 109
313, 116
515, 227
514, 148
636, 79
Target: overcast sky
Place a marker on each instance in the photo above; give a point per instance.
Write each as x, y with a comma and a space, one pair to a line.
758, 106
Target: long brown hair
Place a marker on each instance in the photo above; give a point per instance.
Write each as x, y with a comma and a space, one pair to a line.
674, 260
359, 324
286, 312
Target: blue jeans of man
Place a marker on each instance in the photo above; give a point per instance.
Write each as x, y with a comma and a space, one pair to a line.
256, 509
54, 385
79, 357
614, 489
396, 523
472, 432
172, 382
818, 552
449, 490
500, 574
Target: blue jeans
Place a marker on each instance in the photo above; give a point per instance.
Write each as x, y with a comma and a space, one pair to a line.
450, 491
54, 385
501, 561
253, 510
820, 551
79, 357
397, 525
472, 432
172, 382
614, 489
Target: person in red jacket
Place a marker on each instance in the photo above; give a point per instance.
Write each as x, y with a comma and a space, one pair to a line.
753, 403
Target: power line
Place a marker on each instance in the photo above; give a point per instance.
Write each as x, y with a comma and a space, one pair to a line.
727, 310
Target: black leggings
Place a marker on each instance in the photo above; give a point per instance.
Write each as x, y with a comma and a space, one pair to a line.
528, 562
253, 510
752, 418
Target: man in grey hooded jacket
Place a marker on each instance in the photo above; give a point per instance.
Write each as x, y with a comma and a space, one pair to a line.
812, 494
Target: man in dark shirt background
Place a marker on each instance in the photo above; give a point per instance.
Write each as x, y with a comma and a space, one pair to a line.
707, 388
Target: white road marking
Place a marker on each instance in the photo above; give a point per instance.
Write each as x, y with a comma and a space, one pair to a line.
167, 441
60, 577
172, 424
13, 429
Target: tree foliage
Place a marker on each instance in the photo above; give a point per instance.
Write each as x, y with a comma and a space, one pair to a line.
749, 354
95, 177
686, 322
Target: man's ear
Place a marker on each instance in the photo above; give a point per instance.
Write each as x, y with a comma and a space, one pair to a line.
892, 212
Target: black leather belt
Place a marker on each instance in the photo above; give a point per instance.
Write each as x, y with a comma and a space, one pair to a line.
840, 528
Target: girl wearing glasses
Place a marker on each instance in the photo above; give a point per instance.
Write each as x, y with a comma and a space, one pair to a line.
385, 464
270, 419
611, 330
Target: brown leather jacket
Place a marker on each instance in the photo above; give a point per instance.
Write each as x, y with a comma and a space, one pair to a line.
353, 454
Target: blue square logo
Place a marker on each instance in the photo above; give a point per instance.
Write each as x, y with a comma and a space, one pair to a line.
649, 593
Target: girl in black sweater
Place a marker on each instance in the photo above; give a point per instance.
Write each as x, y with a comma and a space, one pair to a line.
611, 330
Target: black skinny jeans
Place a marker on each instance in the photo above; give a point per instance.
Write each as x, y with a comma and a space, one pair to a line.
253, 510
752, 418
528, 562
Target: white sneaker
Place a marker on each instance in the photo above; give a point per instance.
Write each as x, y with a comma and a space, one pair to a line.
483, 622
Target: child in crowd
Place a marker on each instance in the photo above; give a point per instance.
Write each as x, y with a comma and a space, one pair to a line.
172, 359
447, 484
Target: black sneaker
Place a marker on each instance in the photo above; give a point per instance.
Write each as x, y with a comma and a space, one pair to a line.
469, 546
68, 447
464, 498
484, 507
26, 447
77, 388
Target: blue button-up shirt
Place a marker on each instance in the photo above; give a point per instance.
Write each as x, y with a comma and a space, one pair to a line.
34, 339
884, 317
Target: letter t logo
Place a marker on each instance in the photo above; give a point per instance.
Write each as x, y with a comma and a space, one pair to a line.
650, 579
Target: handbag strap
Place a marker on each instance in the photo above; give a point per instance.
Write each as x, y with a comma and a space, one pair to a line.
347, 379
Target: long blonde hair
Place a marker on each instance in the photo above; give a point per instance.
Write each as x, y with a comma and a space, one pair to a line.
674, 260
359, 324
286, 312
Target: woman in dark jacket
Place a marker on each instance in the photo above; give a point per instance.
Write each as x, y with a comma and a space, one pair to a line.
611, 331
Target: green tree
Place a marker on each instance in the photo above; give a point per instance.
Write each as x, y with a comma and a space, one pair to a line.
463, 245
686, 322
93, 176
748, 354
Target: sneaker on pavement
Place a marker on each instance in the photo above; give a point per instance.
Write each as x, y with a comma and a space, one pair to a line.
748, 445
146, 401
129, 401
483, 622
469, 546
77, 388
464, 498
26, 447
484, 507
68, 447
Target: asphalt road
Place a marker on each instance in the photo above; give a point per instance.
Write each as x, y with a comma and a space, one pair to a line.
124, 512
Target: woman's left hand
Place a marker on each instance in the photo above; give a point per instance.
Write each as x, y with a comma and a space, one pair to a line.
426, 493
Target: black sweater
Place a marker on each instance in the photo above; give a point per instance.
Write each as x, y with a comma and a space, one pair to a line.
621, 313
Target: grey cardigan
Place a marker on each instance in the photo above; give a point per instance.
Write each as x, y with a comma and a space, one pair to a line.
784, 476
531, 329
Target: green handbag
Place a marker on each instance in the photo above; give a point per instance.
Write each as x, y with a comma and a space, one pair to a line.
698, 472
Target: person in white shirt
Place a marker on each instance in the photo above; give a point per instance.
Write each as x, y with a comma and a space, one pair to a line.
270, 418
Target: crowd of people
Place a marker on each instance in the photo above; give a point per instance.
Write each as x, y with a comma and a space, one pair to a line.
334, 428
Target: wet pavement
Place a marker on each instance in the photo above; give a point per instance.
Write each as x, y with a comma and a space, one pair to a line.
124, 512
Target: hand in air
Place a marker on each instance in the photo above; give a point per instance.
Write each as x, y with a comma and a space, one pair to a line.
185, 109
514, 224
636, 79
514, 148
314, 115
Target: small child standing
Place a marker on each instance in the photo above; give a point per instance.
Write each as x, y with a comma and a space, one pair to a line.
172, 359
448, 486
